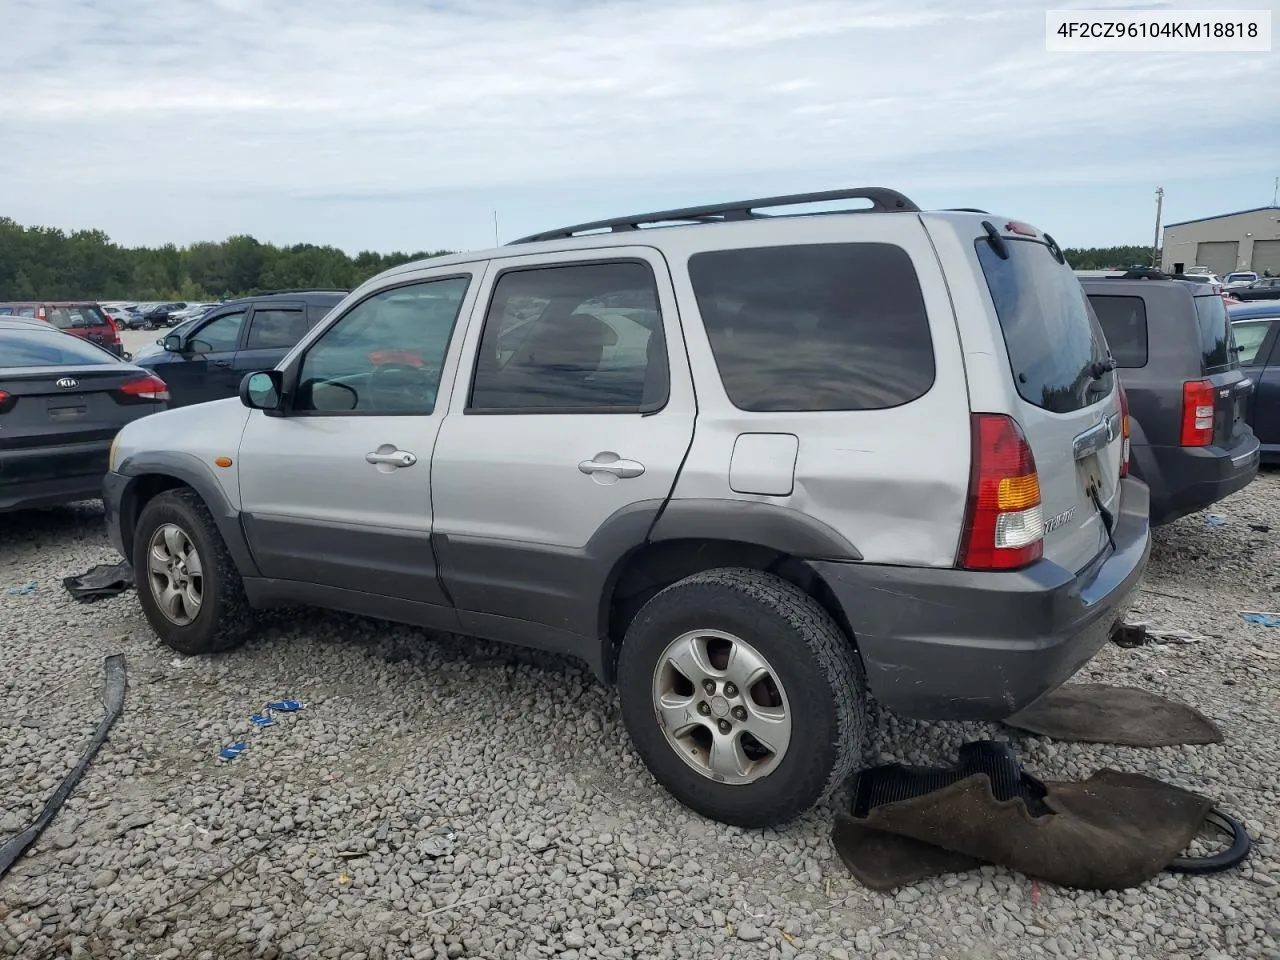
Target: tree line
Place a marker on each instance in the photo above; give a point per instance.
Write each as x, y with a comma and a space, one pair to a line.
38, 262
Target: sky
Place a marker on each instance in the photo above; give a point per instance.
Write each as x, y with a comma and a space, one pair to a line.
405, 124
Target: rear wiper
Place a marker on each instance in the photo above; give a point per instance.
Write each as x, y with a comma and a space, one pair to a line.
1100, 368
1108, 518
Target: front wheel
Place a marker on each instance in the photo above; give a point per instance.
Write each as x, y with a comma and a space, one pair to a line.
188, 585
743, 696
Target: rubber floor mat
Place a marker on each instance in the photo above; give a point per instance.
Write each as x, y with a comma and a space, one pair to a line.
104, 580
1102, 713
1112, 831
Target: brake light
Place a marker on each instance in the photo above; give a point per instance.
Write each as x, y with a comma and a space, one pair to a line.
1124, 432
40, 314
149, 387
1197, 413
1004, 524
6, 402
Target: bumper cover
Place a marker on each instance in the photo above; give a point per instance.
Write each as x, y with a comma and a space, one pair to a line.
946, 644
48, 476
1186, 479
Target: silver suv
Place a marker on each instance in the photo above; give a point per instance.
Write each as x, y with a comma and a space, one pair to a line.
745, 464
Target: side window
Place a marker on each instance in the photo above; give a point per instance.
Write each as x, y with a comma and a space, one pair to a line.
1124, 321
838, 326
384, 355
579, 338
275, 328
1249, 336
316, 313
219, 335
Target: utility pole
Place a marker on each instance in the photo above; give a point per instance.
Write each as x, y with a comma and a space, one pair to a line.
1155, 243
1275, 194
495, 229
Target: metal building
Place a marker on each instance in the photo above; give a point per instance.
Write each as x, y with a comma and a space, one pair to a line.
1244, 240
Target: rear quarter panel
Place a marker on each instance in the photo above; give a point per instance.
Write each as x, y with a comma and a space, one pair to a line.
893, 481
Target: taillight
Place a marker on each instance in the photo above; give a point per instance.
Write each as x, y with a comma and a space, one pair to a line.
146, 388
1004, 525
1124, 432
1197, 413
7, 402
40, 314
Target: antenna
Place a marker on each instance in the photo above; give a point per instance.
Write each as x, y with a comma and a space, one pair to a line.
495, 229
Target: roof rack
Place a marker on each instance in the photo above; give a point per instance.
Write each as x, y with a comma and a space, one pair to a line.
883, 200
967, 210
276, 293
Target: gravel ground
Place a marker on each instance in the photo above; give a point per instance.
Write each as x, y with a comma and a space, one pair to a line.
440, 797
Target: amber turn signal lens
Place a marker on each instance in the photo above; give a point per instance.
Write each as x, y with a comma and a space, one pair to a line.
223, 461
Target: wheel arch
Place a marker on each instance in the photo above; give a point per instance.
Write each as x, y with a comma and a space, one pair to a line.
151, 474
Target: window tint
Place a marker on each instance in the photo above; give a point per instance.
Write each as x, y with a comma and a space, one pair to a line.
316, 313
1215, 333
1124, 321
1049, 332
218, 335
70, 318
35, 348
275, 328
837, 326
583, 337
1249, 335
385, 354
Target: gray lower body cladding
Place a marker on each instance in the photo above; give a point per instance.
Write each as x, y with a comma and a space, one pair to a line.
945, 644
1186, 479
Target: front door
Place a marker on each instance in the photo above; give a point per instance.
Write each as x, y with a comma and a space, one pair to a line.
336, 492
204, 369
273, 330
559, 456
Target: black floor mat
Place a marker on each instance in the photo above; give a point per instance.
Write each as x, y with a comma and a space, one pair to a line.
1102, 713
1112, 831
104, 580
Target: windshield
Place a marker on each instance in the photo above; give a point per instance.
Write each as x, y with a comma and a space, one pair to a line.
1050, 333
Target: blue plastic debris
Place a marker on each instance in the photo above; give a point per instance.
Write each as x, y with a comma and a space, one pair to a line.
22, 591
1214, 520
262, 720
232, 751
1262, 619
285, 706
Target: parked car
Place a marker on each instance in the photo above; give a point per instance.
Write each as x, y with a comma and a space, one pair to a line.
205, 358
62, 399
76, 317
1256, 327
162, 314
1190, 441
1241, 278
1267, 288
192, 311
906, 431
125, 316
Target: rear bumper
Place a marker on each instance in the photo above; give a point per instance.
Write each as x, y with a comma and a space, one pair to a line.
1186, 479
950, 644
47, 476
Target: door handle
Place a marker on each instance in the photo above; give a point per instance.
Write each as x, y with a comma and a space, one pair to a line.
395, 458
609, 462
220, 363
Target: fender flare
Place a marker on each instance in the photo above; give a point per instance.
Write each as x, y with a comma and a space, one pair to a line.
752, 521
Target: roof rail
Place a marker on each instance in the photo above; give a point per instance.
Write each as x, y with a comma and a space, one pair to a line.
274, 293
883, 200
967, 210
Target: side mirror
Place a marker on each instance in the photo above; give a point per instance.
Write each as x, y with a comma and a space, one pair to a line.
172, 343
262, 390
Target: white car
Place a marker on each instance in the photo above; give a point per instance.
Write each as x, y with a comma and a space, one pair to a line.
1241, 278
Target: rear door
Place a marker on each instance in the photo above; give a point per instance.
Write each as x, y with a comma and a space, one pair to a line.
1068, 401
1220, 366
273, 330
1256, 339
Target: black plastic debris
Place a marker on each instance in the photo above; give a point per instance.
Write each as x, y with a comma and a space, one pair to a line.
104, 580
113, 699
1103, 713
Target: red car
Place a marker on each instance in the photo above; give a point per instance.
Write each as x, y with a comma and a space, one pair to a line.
77, 317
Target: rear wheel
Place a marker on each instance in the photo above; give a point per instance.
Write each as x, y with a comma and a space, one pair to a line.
743, 696
187, 583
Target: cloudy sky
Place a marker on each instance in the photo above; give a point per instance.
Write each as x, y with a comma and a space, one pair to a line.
403, 124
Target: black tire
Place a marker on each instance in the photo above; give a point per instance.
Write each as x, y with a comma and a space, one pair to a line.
224, 619
813, 661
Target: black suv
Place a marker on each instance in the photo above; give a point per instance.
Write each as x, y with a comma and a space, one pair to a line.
1187, 395
206, 359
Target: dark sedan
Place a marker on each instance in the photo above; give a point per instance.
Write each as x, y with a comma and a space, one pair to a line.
1268, 288
62, 400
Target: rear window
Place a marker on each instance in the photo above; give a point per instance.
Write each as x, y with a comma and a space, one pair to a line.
1124, 321
67, 318
838, 326
1049, 332
35, 348
1215, 334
